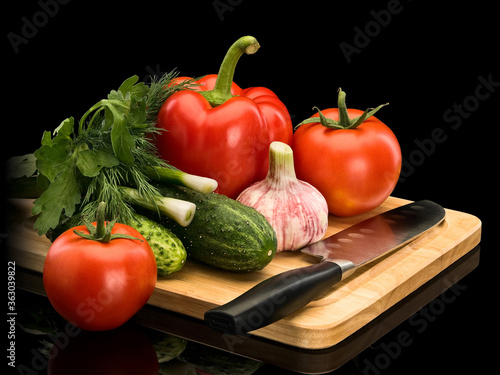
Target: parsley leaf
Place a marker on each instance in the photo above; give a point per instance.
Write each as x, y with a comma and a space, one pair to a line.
80, 164
63, 194
121, 139
53, 156
21, 166
90, 162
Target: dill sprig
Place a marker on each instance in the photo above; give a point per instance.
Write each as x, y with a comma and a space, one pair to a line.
110, 148
160, 89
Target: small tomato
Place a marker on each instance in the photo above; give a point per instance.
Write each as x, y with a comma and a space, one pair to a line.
99, 285
351, 157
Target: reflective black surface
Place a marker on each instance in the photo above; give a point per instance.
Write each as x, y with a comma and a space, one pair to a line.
436, 65
158, 342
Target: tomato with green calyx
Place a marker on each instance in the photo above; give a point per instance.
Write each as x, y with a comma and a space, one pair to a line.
351, 157
98, 277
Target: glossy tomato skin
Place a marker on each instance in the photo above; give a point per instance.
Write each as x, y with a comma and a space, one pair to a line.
99, 286
354, 169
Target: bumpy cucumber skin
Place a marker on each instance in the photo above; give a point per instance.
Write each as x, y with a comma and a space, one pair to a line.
168, 249
224, 232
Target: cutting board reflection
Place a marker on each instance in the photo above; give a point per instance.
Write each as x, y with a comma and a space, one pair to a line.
337, 314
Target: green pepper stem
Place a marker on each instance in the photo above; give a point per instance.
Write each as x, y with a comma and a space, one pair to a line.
222, 89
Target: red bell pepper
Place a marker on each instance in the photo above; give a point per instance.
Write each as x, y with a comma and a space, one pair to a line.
221, 131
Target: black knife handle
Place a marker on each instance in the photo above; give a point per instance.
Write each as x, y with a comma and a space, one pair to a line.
273, 299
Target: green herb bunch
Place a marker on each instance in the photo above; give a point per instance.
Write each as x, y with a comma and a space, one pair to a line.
82, 164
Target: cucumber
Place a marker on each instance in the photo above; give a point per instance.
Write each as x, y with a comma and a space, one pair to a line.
224, 232
168, 249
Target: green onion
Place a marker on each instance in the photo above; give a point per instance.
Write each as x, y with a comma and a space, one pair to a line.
182, 212
174, 176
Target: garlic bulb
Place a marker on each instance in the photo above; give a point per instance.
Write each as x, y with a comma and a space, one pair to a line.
296, 210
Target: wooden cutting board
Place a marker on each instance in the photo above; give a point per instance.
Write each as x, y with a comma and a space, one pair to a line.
337, 314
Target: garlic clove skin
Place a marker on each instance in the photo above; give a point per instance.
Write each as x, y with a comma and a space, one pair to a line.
296, 210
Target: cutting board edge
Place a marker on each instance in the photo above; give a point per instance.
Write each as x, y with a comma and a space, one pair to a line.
468, 239
320, 337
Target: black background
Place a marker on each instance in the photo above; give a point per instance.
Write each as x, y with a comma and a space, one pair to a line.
426, 59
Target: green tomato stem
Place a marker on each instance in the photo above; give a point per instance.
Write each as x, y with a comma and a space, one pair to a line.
222, 90
101, 221
344, 119
344, 122
101, 232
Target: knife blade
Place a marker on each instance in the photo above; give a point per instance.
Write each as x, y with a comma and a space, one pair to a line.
340, 254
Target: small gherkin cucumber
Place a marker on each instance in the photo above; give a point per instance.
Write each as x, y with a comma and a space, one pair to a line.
224, 232
168, 249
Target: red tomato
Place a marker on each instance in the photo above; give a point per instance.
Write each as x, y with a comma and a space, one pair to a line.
95, 285
355, 169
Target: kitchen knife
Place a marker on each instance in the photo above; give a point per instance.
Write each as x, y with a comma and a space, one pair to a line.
341, 254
